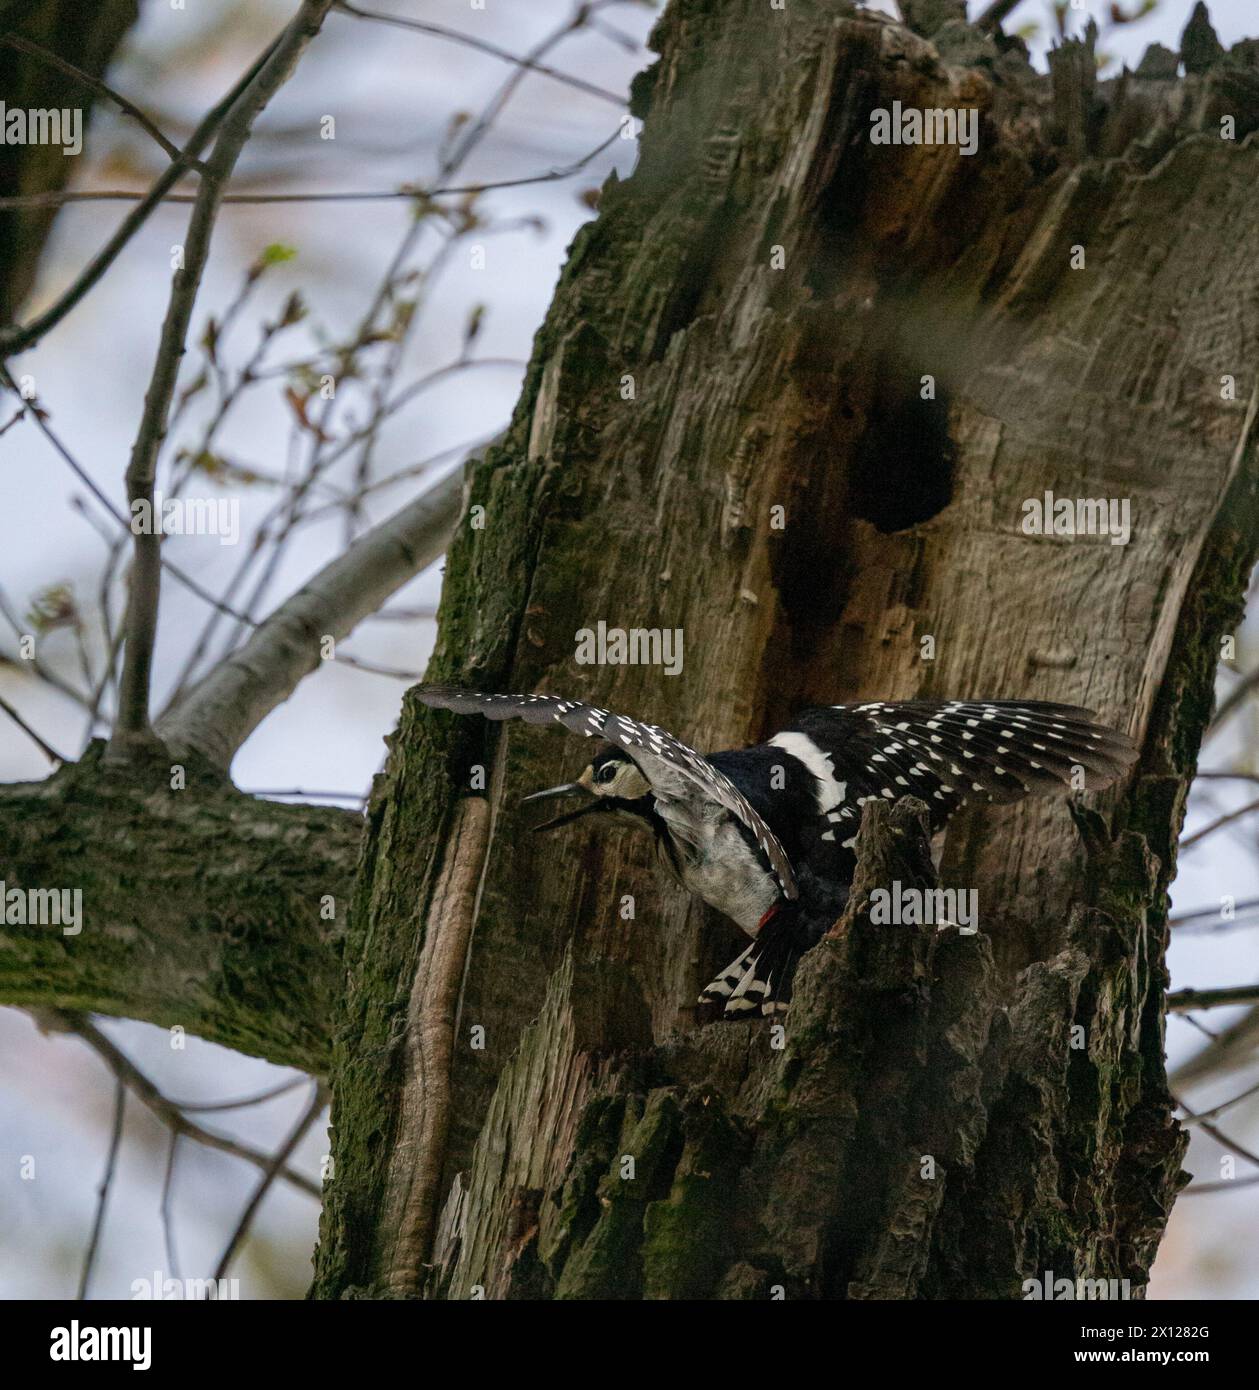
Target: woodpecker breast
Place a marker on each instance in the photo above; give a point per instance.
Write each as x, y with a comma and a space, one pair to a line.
714, 857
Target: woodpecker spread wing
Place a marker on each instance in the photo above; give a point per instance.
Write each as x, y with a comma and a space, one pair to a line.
675, 771
948, 752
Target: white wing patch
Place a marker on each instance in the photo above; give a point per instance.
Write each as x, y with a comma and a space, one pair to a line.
830, 790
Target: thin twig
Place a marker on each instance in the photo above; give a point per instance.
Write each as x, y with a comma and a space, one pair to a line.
287, 514
167, 1210
102, 1196
476, 131
143, 604
17, 341
174, 570
322, 458
439, 31
1218, 1135
301, 791
131, 722
1211, 827
219, 713
170, 1112
244, 1102
470, 448
128, 108
39, 415
383, 298
1183, 921
46, 749
22, 336
1223, 1106
319, 1098
1233, 1048
1234, 698
401, 615
397, 673
1200, 1187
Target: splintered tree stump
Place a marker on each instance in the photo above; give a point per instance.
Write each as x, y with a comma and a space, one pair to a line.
797, 395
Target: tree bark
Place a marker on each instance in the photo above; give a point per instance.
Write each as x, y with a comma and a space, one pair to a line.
939, 1116
201, 907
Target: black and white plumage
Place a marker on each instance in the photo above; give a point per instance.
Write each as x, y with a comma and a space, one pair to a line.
675, 771
766, 834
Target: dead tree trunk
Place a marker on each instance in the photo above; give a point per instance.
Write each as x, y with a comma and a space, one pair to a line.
793, 392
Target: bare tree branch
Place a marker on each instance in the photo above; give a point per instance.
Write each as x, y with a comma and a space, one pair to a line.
102, 1196
132, 722
1182, 1000
167, 1205
1218, 1135
1223, 1106
22, 336
1241, 915
468, 40
318, 1099
258, 1098
128, 108
221, 606
223, 709
168, 1111
379, 195
1240, 692
1198, 1188
46, 749
1248, 809
35, 412
384, 296
304, 795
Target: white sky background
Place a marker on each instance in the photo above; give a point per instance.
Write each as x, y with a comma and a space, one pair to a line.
392, 94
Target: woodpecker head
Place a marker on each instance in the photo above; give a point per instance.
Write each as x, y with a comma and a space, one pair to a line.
611, 783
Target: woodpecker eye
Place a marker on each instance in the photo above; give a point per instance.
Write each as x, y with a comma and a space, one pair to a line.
606, 773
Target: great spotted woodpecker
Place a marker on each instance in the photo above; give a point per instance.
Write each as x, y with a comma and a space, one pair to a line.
766, 834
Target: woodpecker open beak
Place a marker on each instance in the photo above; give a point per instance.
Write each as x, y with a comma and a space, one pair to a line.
567, 789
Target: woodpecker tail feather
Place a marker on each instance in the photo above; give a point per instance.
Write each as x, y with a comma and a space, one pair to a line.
750, 985
759, 981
